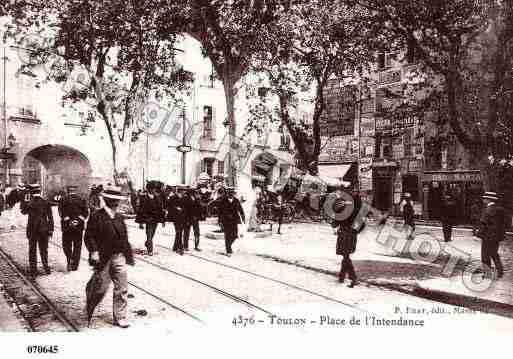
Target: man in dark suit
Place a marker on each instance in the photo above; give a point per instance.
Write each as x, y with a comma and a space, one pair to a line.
448, 216
73, 211
178, 213
409, 216
230, 215
39, 227
195, 213
492, 231
150, 213
106, 239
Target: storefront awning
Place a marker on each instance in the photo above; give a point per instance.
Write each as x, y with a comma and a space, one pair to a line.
334, 171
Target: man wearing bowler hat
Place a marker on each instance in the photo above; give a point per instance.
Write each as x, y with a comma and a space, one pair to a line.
230, 214
178, 209
39, 227
73, 211
106, 239
492, 230
150, 214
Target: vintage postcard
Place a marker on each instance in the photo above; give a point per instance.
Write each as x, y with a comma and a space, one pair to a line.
236, 176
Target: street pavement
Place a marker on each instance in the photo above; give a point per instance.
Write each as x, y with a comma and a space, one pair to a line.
292, 276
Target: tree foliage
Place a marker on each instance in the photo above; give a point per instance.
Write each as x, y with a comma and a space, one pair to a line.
316, 41
111, 54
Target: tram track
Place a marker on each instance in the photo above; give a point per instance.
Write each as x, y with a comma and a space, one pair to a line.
149, 293
37, 309
261, 276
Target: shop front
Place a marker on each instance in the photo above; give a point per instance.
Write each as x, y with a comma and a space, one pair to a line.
383, 183
465, 187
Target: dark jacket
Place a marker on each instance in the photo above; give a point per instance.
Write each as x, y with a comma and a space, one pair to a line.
347, 229
449, 212
230, 212
179, 209
72, 206
150, 210
2, 202
408, 214
107, 236
196, 209
493, 223
40, 218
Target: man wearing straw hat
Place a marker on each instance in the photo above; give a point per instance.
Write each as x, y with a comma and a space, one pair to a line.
491, 232
106, 239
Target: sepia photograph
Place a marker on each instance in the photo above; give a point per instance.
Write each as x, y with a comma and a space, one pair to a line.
236, 176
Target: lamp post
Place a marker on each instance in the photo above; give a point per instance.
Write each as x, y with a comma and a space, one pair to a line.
184, 147
4, 116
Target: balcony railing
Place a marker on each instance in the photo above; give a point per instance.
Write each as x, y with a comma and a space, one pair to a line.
25, 115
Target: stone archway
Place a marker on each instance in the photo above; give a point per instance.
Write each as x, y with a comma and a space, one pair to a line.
62, 166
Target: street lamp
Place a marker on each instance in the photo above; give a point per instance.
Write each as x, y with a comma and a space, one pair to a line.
184, 147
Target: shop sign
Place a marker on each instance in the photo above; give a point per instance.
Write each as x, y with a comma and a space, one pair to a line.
388, 77
367, 127
365, 168
383, 124
414, 165
474, 176
405, 165
365, 184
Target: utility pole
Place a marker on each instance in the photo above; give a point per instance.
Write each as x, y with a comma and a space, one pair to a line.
184, 147
4, 115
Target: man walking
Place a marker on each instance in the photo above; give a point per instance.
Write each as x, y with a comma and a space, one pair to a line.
448, 215
192, 202
491, 232
178, 214
106, 239
73, 211
39, 227
230, 215
409, 216
150, 213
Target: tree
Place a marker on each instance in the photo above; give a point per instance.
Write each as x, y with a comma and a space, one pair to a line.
230, 32
113, 56
315, 42
466, 45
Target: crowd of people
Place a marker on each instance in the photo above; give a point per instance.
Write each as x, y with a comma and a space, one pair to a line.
98, 223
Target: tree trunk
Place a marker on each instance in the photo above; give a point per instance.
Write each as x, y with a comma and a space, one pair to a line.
229, 93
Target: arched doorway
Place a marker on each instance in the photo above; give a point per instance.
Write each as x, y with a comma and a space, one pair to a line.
61, 166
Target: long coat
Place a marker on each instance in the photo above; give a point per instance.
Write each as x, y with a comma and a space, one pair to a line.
73, 206
493, 223
150, 210
346, 233
230, 213
449, 212
408, 214
107, 236
40, 218
179, 210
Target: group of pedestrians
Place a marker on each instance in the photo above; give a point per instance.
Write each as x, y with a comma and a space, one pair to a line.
185, 207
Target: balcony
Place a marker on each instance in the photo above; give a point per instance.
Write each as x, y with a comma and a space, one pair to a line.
207, 143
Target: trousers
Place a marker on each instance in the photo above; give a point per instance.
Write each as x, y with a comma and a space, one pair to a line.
151, 228
187, 233
489, 252
347, 267
72, 246
35, 241
179, 231
114, 271
447, 229
230, 235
